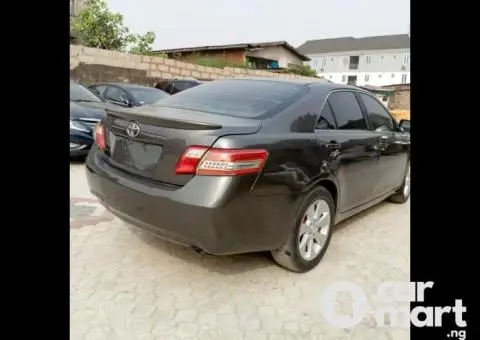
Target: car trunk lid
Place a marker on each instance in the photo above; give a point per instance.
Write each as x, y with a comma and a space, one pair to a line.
163, 135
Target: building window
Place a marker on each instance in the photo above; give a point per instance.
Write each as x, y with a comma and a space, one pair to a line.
369, 59
394, 57
331, 59
367, 78
379, 76
323, 62
353, 62
406, 59
344, 79
393, 75
352, 80
345, 60
404, 78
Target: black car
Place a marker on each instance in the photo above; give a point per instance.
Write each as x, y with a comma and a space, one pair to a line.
237, 166
173, 86
86, 110
405, 125
128, 95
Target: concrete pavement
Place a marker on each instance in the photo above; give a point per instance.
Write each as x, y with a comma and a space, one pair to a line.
127, 285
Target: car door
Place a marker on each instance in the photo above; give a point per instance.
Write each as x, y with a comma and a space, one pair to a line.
393, 146
116, 95
352, 147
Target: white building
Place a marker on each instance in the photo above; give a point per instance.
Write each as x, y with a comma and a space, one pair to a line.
376, 61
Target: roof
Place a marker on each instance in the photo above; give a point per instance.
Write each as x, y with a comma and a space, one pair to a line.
384, 42
297, 81
237, 46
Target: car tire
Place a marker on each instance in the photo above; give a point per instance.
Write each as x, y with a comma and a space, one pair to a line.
293, 255
403, 193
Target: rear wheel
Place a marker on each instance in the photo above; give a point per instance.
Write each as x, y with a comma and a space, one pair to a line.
403, 193
311, 234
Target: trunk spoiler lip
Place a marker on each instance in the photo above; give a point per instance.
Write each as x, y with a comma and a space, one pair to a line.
155, 118
162, 121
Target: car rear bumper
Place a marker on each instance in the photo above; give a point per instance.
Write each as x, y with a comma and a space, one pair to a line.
219, 215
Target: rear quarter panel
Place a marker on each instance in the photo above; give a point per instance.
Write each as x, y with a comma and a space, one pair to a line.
295, 161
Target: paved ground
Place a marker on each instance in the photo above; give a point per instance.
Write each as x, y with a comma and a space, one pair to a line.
128, 285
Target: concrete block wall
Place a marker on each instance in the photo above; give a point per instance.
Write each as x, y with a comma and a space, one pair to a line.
401, 98
92, 65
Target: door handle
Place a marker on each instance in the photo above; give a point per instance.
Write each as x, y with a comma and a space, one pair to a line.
333, 145
383, 139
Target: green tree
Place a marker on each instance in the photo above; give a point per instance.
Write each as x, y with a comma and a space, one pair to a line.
143, 44
97, 26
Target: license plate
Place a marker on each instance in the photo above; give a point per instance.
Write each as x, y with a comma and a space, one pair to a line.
137, 155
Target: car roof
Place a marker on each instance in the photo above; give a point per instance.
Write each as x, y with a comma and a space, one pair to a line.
276, 80
317, 83
128, 86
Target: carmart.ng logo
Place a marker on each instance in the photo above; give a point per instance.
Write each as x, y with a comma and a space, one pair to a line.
394, 299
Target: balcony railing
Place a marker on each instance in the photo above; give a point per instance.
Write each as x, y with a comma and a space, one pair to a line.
353, 66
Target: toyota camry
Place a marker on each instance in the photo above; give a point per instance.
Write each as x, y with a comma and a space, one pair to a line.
237, 166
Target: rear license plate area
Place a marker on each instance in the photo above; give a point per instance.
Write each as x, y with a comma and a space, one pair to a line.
140, 156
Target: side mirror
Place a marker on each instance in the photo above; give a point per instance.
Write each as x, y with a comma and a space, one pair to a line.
405, 125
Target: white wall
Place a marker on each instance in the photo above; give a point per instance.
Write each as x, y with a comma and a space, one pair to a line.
279, 53
374, 78
396, 60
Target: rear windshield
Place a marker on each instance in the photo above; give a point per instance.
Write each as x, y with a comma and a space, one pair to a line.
240, 98
146, 96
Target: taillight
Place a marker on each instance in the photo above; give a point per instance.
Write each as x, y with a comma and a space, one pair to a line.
201, 160
99, 136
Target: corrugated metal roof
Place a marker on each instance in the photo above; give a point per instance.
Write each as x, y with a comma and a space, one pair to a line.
235, 46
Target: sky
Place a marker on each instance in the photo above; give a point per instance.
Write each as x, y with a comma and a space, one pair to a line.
189, 23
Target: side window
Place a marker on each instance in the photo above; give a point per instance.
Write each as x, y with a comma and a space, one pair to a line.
114, 94
326, 120
347, 111
99, 90
169, 88
178, 86
188, 84
377, 114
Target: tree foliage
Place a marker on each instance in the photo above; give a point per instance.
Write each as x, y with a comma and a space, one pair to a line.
143, 44
97, 26
303, 70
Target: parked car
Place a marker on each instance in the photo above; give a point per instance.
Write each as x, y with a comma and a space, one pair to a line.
128, 95
173, 86
405, 124
237, 166
86, 110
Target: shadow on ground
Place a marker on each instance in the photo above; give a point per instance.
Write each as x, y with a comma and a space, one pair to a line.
77, 160
231, 264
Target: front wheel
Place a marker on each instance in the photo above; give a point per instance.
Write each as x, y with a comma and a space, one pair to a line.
311, 233
403, 193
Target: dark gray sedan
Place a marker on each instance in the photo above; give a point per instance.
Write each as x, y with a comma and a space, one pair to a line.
128, 95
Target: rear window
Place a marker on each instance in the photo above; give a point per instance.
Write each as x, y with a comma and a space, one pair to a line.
146, 96
240, 98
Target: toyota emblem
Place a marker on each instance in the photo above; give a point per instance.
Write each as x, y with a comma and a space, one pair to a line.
133, 129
